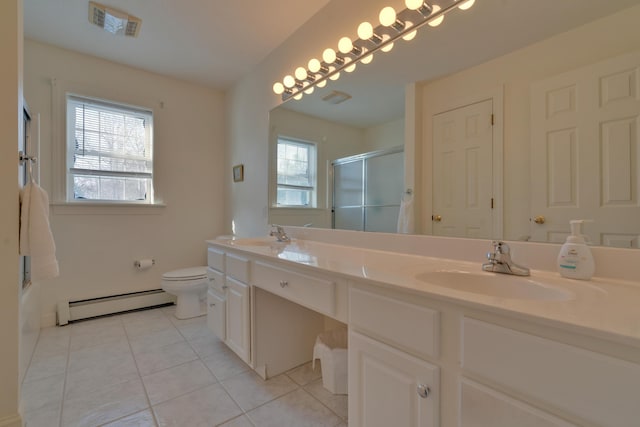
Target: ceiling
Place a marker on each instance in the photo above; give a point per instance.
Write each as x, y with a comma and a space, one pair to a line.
212, 42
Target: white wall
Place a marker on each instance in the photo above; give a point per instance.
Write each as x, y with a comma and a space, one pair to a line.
605, 38
10, 133
385, 135
96, 247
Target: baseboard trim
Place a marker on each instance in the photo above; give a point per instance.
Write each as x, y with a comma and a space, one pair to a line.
11, 421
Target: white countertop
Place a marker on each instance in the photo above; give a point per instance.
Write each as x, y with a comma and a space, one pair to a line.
607, 308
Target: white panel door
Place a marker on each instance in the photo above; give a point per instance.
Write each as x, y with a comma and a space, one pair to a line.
462, 171
238, 318
385, 386
584, 153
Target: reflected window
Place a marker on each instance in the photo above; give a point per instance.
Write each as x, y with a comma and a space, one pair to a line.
296, 170
109, 152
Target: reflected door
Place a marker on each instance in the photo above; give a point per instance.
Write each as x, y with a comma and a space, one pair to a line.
584, 153
463, 171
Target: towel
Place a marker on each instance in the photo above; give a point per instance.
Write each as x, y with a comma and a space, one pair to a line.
405, 215
36, 239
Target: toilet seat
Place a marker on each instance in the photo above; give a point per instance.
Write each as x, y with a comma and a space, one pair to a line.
186, 274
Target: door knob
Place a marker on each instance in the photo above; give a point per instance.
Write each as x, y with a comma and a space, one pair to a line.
423, 391
539, 219
436, 218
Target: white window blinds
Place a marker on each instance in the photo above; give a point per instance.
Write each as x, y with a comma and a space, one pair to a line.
109, 151
296, 169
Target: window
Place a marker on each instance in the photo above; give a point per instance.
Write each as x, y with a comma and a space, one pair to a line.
109, 152
296, 171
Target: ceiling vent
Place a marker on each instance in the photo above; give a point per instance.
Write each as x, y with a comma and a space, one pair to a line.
336, 97
114, 21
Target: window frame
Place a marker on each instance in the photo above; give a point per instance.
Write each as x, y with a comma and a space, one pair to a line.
312, 171
70, 100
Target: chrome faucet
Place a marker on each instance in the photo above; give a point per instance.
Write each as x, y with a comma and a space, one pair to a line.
279, 233
500, 261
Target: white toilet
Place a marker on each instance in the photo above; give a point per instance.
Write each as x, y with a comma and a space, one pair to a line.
189, 285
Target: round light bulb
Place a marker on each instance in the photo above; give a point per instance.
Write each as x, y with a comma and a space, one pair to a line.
335, 76
367, 59
278, 88
466, 4
438, 20
314, 65
345, 45
329, 56
321, 84
388, 47
309, 90
349, 68
289, 81
412, 35
301, 73
413, 4
387, 16
298, 96
365, 31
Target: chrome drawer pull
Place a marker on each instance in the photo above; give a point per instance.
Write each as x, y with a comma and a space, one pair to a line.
212, 304
423, 391
224, 286
283, 283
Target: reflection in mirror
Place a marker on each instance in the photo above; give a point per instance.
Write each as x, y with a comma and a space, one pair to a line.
563, 128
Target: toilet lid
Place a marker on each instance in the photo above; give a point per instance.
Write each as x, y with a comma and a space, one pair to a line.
186, 274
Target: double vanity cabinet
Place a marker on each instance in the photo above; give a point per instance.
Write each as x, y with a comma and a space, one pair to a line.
419, 356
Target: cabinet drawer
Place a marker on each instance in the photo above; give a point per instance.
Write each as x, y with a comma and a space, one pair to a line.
237, 267
406, 325
482, 406
216, 280
309, 291
595, 387
216, 314
215, 259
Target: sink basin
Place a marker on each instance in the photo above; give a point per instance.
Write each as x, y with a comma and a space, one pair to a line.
495, 285
257, 241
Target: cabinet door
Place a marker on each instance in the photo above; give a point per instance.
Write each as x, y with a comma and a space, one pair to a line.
216, 314
388, 387
238, 320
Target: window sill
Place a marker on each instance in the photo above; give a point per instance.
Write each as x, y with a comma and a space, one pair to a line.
97, 208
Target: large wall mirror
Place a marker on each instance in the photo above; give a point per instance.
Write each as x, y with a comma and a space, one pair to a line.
513, 118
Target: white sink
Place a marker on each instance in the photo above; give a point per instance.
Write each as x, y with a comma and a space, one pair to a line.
496, 285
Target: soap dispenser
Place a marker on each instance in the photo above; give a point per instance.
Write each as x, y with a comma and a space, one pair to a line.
575, 260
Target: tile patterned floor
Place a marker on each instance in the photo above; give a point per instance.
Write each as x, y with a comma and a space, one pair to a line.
148, 368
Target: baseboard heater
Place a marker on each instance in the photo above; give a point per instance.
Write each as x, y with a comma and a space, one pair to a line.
69, 311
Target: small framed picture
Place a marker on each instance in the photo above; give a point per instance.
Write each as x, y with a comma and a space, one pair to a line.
238, 173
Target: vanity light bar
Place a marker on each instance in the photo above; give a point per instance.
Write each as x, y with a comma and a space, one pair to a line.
370, 40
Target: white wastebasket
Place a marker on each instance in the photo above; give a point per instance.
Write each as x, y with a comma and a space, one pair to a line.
331, 349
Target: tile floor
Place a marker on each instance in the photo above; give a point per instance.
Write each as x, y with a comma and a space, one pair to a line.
148, 368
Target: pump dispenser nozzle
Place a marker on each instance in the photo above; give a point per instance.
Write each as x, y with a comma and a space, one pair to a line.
576, 231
